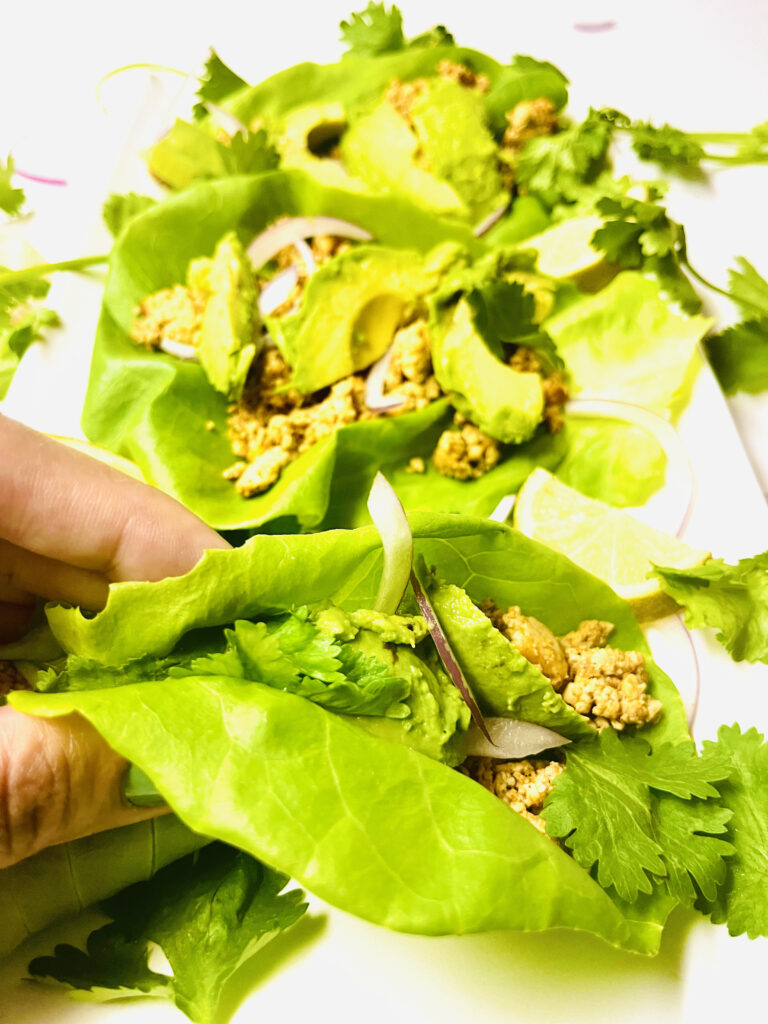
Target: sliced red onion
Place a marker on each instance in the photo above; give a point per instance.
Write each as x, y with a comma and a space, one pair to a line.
503, 510
390, 520
511, 738
38, 178
225, 120
307, 257
180, 350
673, 651
290, 230
670, 508
278, 290
447, 656
375, 398
487, 223
594, 26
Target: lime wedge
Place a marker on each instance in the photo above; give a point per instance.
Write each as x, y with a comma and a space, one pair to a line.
565, 251
115, 461
603, 540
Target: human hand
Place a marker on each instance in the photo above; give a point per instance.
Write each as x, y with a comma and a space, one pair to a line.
69, 526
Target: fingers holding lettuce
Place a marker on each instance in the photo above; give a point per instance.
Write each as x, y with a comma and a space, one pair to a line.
275, 707
69, 526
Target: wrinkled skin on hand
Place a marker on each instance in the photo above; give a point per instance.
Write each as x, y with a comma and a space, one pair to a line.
59, 780
69, 526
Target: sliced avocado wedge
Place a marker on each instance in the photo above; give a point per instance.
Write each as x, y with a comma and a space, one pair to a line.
228, 338
304, 136
502, 681
381, 149
350, 311
450, 123
503, 402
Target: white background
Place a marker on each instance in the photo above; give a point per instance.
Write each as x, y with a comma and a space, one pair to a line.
697, 65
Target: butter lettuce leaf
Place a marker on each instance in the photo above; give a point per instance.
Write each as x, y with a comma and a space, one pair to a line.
730, 598
628, 344
155, 408
218, 885
421, 849
742, 903
612, 460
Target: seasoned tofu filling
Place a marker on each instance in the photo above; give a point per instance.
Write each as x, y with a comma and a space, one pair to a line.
606, 684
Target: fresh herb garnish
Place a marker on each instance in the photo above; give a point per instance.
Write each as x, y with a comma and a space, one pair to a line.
373, 31
216, 83
11, 199
175, 910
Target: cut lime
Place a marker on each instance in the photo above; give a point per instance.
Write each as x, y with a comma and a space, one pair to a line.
603, 540
565, 251
115, 461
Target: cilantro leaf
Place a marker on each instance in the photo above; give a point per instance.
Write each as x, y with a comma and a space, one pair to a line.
118, 210
693, 855
741, 902
739, 356
503, 313
556, 168
604, 808
209, 912
730, 598
18, 330
748, 289
293, 654
249, 153
670, 147
11, 199
436, 36
373, 31
216, 83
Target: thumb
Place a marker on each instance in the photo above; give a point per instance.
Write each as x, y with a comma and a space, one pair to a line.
59, 780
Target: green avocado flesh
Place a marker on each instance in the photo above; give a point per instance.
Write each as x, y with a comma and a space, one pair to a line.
351, 309
503, 402
227, 343
502, 681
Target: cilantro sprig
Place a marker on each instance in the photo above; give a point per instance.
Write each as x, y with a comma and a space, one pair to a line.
12, 199
640, 818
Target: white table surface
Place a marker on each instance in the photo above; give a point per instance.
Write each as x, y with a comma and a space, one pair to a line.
696, 65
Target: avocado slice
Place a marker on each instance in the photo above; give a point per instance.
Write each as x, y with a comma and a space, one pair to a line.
502, 681
381, 149
229, 334
438, 719
350, 311
503, 402
445, 159
303, 136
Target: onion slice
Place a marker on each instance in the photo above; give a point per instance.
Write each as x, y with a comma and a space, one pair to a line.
511, 738
670, 508
180, 350
447, 656
390, 520
290, 230
307, 257
487, 223
503, 510
225, 120
674, 652
278, 290
375, 398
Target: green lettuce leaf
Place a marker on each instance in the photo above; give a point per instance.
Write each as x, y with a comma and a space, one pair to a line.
601, 807
154, 408
119, 209
176, 909
190, 152
422, 848
741, 903
60, 881
612, 460
730, 598
628, 344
